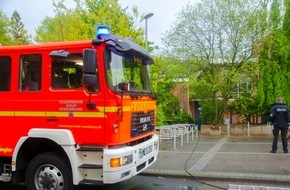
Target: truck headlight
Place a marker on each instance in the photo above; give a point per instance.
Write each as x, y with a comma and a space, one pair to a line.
121, 161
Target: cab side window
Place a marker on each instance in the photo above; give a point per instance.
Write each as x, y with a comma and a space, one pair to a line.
5, 73
30, 72
66, 72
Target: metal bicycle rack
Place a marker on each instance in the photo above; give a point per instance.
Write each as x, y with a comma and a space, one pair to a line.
177, 130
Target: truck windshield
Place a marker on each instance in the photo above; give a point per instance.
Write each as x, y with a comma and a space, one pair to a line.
123, 69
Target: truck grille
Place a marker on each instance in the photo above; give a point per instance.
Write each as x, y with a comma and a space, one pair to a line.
142, 123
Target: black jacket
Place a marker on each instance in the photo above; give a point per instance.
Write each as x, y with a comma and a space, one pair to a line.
279, 115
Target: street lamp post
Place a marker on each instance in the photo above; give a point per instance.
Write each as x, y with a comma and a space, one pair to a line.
146, 17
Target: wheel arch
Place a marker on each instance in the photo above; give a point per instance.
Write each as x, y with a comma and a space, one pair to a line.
37, 142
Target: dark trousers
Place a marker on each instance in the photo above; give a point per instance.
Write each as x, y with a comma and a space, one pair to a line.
284, 139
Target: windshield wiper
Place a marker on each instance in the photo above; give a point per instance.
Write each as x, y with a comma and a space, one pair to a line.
152, 95
137, 94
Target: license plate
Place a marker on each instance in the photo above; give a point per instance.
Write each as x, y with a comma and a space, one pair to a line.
145, 151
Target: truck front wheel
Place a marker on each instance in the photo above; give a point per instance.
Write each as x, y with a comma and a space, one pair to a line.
48, 171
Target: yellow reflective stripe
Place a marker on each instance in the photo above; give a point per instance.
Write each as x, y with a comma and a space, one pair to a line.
89, 114
6, 113
100, 113
51, 114
113, 109
57, 114
108, 109
126, 108
30, 113
76, 114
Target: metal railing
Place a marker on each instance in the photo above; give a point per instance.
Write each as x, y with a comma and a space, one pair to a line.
176, 131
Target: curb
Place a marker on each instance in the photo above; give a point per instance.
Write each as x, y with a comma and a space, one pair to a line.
221, 176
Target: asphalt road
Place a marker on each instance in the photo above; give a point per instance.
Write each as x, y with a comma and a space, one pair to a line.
154, 183
141, 183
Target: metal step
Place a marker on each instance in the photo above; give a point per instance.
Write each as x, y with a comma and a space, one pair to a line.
91, 166
5, 178
90, 182
250, 187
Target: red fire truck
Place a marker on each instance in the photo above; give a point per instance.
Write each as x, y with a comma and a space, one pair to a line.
76, 112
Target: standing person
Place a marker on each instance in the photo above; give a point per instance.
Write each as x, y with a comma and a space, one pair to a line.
279, 118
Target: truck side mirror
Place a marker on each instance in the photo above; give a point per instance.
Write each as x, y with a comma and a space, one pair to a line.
90, 61
124, 86
90, 67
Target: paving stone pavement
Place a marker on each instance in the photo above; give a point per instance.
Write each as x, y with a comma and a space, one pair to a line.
227, 158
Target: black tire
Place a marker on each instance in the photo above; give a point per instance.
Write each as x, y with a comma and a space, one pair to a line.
48, 171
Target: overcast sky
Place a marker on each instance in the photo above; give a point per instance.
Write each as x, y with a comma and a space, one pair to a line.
32, 12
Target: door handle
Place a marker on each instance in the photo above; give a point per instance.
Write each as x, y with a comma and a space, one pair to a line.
52, 119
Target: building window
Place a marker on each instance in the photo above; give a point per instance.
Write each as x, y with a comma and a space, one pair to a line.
243, 88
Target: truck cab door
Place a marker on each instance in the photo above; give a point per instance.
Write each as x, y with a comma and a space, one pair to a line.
7, 91
74, 105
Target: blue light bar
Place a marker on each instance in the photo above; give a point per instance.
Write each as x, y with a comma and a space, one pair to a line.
102, 30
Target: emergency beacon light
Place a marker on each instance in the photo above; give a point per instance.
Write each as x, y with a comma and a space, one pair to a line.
102, 30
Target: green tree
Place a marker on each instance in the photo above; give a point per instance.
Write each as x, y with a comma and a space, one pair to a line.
4, 30
163, 74
109, 13
67, 25
162, 85
80, 22
18, 34
217, 36
274, 57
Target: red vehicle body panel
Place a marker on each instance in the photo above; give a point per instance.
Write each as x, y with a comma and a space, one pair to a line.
21, 111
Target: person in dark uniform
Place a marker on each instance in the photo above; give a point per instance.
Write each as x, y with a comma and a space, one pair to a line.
280, 119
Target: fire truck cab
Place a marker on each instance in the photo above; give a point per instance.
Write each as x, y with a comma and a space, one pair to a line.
75, 113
